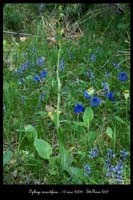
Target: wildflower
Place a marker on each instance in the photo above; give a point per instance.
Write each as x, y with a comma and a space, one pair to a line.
91, 91
25, 54
40, 61
87, 170
115, 172
107, 161
93, 153
95, 101
23, 67
50, 114
93, 57
79, 108
87, 95
58, 112
123, 76
110, 96
43, 74
36, 78
110, 153
105, 86
89, 74
62, 64
22, 39
111, 168
123, 154
42, 96
117, 66
126, 94
119, 168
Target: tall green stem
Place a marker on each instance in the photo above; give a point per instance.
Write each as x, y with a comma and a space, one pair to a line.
59, 131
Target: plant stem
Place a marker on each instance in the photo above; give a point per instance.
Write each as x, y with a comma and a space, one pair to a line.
59, 88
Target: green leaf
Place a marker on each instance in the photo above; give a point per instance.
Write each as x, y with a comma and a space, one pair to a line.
92, 136
30, 132
29, 77
7, 156
79, 123
66, 159
43, 148
109, 132
77, 173
42, 113
88, 116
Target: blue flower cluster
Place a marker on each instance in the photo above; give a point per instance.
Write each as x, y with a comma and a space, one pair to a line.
87, 170
115, 172
95, 101
42, 75
62, 64
93, 153
23, 67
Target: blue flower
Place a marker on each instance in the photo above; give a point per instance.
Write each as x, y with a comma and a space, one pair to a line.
40, 61
43, 74
93, 153
123, 154
107, 161
110, 153
36, 78
86, 95
105, 86
93, 57
23, 67
62, 64
79, 108
123, 76
87, 169
110, 96
119, 168
95, 101
42, 96
117, 66
89, 73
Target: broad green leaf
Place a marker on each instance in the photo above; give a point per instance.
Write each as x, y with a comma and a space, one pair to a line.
91, 136
66, 159
77, 173
30, 132
109, 132
7, 156
88, 116
79, 123
43, 148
